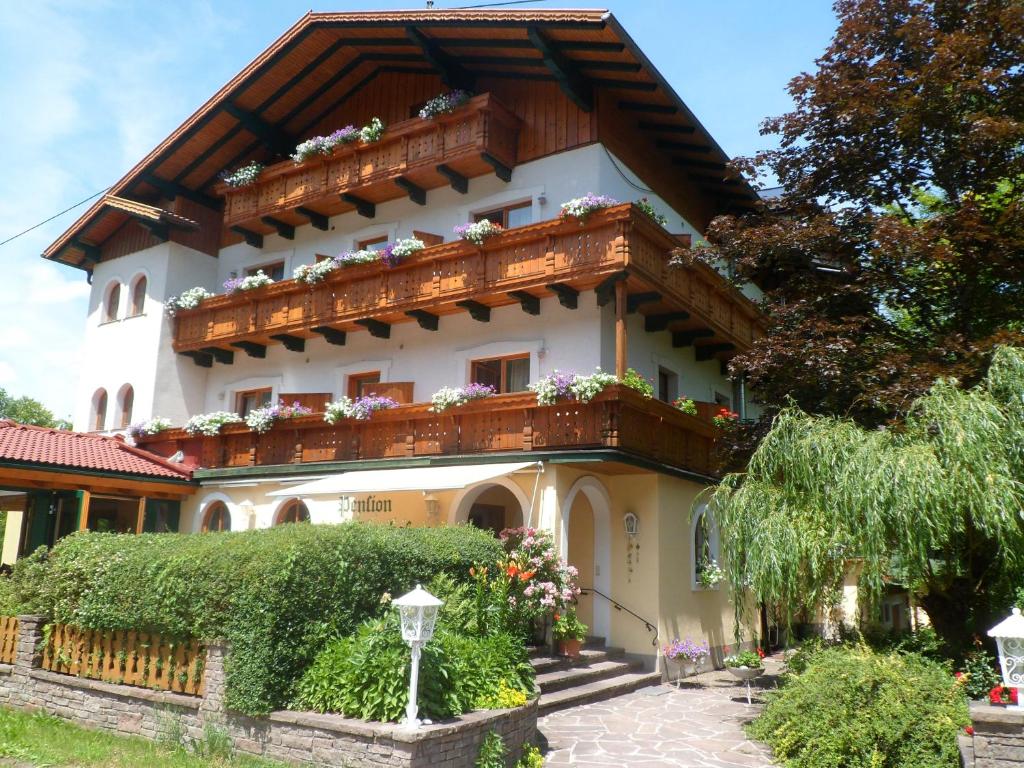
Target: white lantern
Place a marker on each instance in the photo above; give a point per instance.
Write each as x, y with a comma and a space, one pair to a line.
418, 613
1009, 637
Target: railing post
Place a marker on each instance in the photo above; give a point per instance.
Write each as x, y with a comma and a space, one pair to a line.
610, 423
528, 430
549, 256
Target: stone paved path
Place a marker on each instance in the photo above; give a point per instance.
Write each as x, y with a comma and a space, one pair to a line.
699, 725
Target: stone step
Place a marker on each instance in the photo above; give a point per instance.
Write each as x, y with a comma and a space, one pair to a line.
560, 679
587, 656
599, 690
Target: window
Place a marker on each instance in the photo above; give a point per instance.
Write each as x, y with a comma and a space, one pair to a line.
99, 410
113, 303
294, 511
251, 399
138, 304
514, 215
362, 384
505, 374
217, 517
667, 385
127, 399
723, 400
372, 243
274, 271
705, 543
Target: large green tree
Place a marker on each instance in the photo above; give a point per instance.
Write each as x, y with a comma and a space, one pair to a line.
26, 410
938, 499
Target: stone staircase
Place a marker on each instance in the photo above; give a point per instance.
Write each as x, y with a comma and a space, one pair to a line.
599, 674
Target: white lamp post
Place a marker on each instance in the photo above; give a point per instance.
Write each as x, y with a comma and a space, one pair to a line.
418, 612
1009, 636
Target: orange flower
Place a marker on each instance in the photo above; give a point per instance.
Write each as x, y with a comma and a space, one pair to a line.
472, 571
527, 575
557, 617
512, 570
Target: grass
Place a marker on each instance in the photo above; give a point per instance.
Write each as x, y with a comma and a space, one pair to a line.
42, 741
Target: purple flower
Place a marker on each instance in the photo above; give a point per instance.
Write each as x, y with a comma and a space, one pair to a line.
233, 284
475, 390
387, 256
362, 407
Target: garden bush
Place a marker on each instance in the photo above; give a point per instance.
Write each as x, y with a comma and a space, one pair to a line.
852, 707
279, 594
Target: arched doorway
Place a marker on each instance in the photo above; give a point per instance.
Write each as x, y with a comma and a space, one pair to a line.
492, 506
217, 517
586, 543
292, 511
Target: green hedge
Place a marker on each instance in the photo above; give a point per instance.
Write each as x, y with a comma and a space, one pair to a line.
279, 595
857, 708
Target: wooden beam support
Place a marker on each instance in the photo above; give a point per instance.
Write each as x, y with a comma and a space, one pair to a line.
331, 335
626, 85
635, 300
501, 170
202, 359
91, 252
666, 127
140, 520
251, 348
364, 207
255, 239
83, 511
157, 229
643, 106
709, 351
453, 74
223, 356
573, 85
529, 302
292, 343
416, 193
316, 220
682, 146
686, 338
568, 296
606, 290
479, 312
273, 137
620, 329
428, 321
284, 229
689, 162
458, 182
654, 323
172, 189
375, 327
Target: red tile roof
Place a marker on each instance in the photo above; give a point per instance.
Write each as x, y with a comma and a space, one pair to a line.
78, 450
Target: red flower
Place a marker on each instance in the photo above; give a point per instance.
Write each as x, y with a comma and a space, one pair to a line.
969, 730
958, 675
1013, 695
760, 652
557, 617
512, 570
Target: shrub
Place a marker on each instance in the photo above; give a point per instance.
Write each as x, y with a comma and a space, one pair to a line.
277, 594
855, 708
492, 751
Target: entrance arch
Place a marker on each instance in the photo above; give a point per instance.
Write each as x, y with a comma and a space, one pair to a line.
592, 545
495, 504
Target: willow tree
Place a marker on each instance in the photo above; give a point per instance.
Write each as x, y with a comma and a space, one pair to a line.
938, 499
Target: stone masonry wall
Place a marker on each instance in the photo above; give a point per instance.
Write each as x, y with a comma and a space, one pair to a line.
298, 737
998, 737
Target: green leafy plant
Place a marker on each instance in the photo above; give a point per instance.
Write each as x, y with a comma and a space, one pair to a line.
979, 675
645, 205
567, 626
686, 405
492, 751
748, 659
532, 758
634, 380
854, 708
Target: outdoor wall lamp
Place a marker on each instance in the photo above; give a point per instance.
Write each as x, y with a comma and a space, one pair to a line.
418, 613
631, 523
1009, 637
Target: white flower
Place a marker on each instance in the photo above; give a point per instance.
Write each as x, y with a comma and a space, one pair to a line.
338, 410
371, 132
312, 274
187, 300
209, 424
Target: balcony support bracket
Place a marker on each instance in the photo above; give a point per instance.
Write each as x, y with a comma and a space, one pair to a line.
709, 351
686, 338
458, 182
529, 302
202, 359
501, 170
364, 207
375, 327
479, 312
255, 239
606, 290
292, 343
251, 348
655, 323
635, 300
224, 356
91, 252
284, 229
568, 296
427, 320
416, 193
317, 220
331, 335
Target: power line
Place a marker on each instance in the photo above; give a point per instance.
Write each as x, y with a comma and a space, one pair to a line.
55, 216
491, 5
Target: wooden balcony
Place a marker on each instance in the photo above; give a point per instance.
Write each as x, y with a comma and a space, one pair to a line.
522, 265
618, 418
411, 157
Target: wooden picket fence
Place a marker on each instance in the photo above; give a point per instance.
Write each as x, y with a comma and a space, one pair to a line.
127, 658
8, 639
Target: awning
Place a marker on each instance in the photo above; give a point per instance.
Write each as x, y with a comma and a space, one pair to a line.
408, 479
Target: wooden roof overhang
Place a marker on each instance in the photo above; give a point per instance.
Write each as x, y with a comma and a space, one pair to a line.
25, 476
287, 92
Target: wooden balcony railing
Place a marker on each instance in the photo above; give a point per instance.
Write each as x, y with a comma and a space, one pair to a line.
619, 418
553, 257
477, 139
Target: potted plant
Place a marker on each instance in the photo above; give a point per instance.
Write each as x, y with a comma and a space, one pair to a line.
570, 632
746, 665
683, 657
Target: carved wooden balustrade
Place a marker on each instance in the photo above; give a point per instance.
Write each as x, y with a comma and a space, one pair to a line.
476, 139
524, 264
617, 418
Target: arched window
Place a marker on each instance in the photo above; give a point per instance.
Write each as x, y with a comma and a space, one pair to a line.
217, 517
113, 303
127, 402
294, 511
99, 410
138, 304
706, 565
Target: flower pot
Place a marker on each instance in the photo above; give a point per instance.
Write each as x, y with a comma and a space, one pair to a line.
570, 648
746, 673
676, 669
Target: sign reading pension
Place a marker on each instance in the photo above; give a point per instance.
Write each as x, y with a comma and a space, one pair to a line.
351, 506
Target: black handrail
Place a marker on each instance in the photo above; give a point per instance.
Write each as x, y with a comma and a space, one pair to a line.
620, 607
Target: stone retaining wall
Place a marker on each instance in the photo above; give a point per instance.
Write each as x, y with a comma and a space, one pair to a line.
299, 737
998, 740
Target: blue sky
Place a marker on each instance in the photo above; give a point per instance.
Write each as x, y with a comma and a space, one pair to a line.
89, 86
